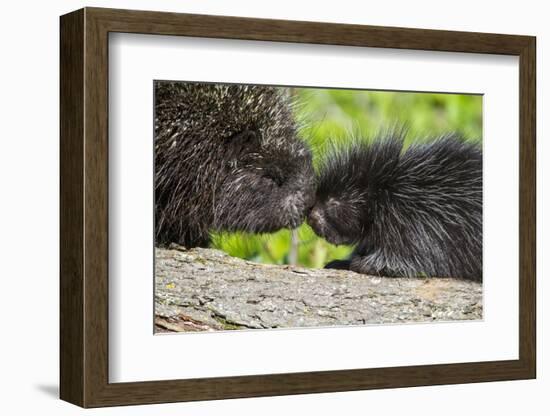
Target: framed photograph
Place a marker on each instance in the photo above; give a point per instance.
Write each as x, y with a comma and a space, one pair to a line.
255, 207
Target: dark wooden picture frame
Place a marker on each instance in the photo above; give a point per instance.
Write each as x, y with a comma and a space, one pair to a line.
84, 207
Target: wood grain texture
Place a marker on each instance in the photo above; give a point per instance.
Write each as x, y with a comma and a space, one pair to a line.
96, 227
527, 208
71, 99
226, 27
84, 207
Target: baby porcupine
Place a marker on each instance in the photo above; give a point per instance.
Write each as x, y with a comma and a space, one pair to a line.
410, 213
227, 158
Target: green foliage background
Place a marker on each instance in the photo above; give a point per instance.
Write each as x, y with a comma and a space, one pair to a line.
335, 115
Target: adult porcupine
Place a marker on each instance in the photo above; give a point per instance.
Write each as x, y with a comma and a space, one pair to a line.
227, 158
410, 213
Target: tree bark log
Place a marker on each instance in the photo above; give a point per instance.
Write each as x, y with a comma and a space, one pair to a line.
205, 290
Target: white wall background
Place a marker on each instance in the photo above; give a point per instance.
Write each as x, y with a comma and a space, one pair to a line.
29, 160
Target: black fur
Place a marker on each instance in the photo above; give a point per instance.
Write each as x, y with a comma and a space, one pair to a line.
227, 158
416, 212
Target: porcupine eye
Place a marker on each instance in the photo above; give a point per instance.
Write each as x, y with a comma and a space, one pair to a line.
333, 209
242, 142
276, 177
246, 148
339, 223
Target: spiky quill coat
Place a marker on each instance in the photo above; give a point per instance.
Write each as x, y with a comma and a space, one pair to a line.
413, 212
